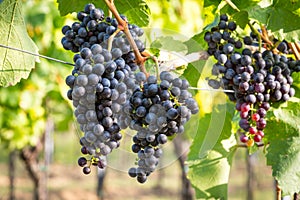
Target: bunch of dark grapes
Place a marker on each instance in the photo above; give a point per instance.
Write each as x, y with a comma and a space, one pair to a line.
256, 79
101, 81
97, 93
156, 110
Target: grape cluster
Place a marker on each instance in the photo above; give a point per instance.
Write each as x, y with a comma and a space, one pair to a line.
109, 96
156, 111
97, 92
101, 80
256, 79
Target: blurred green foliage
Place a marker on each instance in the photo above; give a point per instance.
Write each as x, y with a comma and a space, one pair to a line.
25, 108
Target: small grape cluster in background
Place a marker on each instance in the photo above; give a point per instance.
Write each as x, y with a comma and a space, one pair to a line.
256, 78
108, 95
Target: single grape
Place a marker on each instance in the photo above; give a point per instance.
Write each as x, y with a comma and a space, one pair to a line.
86, 170
82, 161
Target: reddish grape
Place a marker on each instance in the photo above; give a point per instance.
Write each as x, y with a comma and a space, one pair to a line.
255, 117
261, 133
252, 130
257, 138
245, 107
244, 138
244, 115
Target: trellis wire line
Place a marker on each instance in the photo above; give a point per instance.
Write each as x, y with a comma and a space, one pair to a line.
212, 90
36, 54
67, 63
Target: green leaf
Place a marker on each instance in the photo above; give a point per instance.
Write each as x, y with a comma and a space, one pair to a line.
241, 18
281, 17
212, 3
136, 11
285, 120
14, 65
284, 157
193, 71
283, 153
168, 43
211, 154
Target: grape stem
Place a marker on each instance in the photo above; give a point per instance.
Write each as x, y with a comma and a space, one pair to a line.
36, 54
149, 56
295, 48
262, 36
245, 146
109, 12
140, 60
265, 36
111, 39
232, 5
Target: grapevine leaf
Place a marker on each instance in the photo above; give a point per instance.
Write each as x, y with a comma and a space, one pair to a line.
285, 120
211, 154
193, 71
167, 43
138, 14
14, 65
281, 17
241, 18
284, 157
212, 2
283, 153
136, 11
243, 6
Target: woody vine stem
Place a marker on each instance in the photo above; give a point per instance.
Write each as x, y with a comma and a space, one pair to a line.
123, 25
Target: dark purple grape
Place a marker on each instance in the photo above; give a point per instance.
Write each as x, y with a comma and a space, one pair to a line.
224, 17
259, 87
261, 124
232, 26
262, 112
244, 124
248, 40
82, 161
216, 37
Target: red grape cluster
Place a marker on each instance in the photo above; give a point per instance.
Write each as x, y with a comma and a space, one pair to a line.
256, 78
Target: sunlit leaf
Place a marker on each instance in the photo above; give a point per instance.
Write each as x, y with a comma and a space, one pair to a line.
211, 154
283, 152
14, 65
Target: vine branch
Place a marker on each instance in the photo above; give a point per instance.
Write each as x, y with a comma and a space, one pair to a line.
261, 36
123, 25
245, 146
